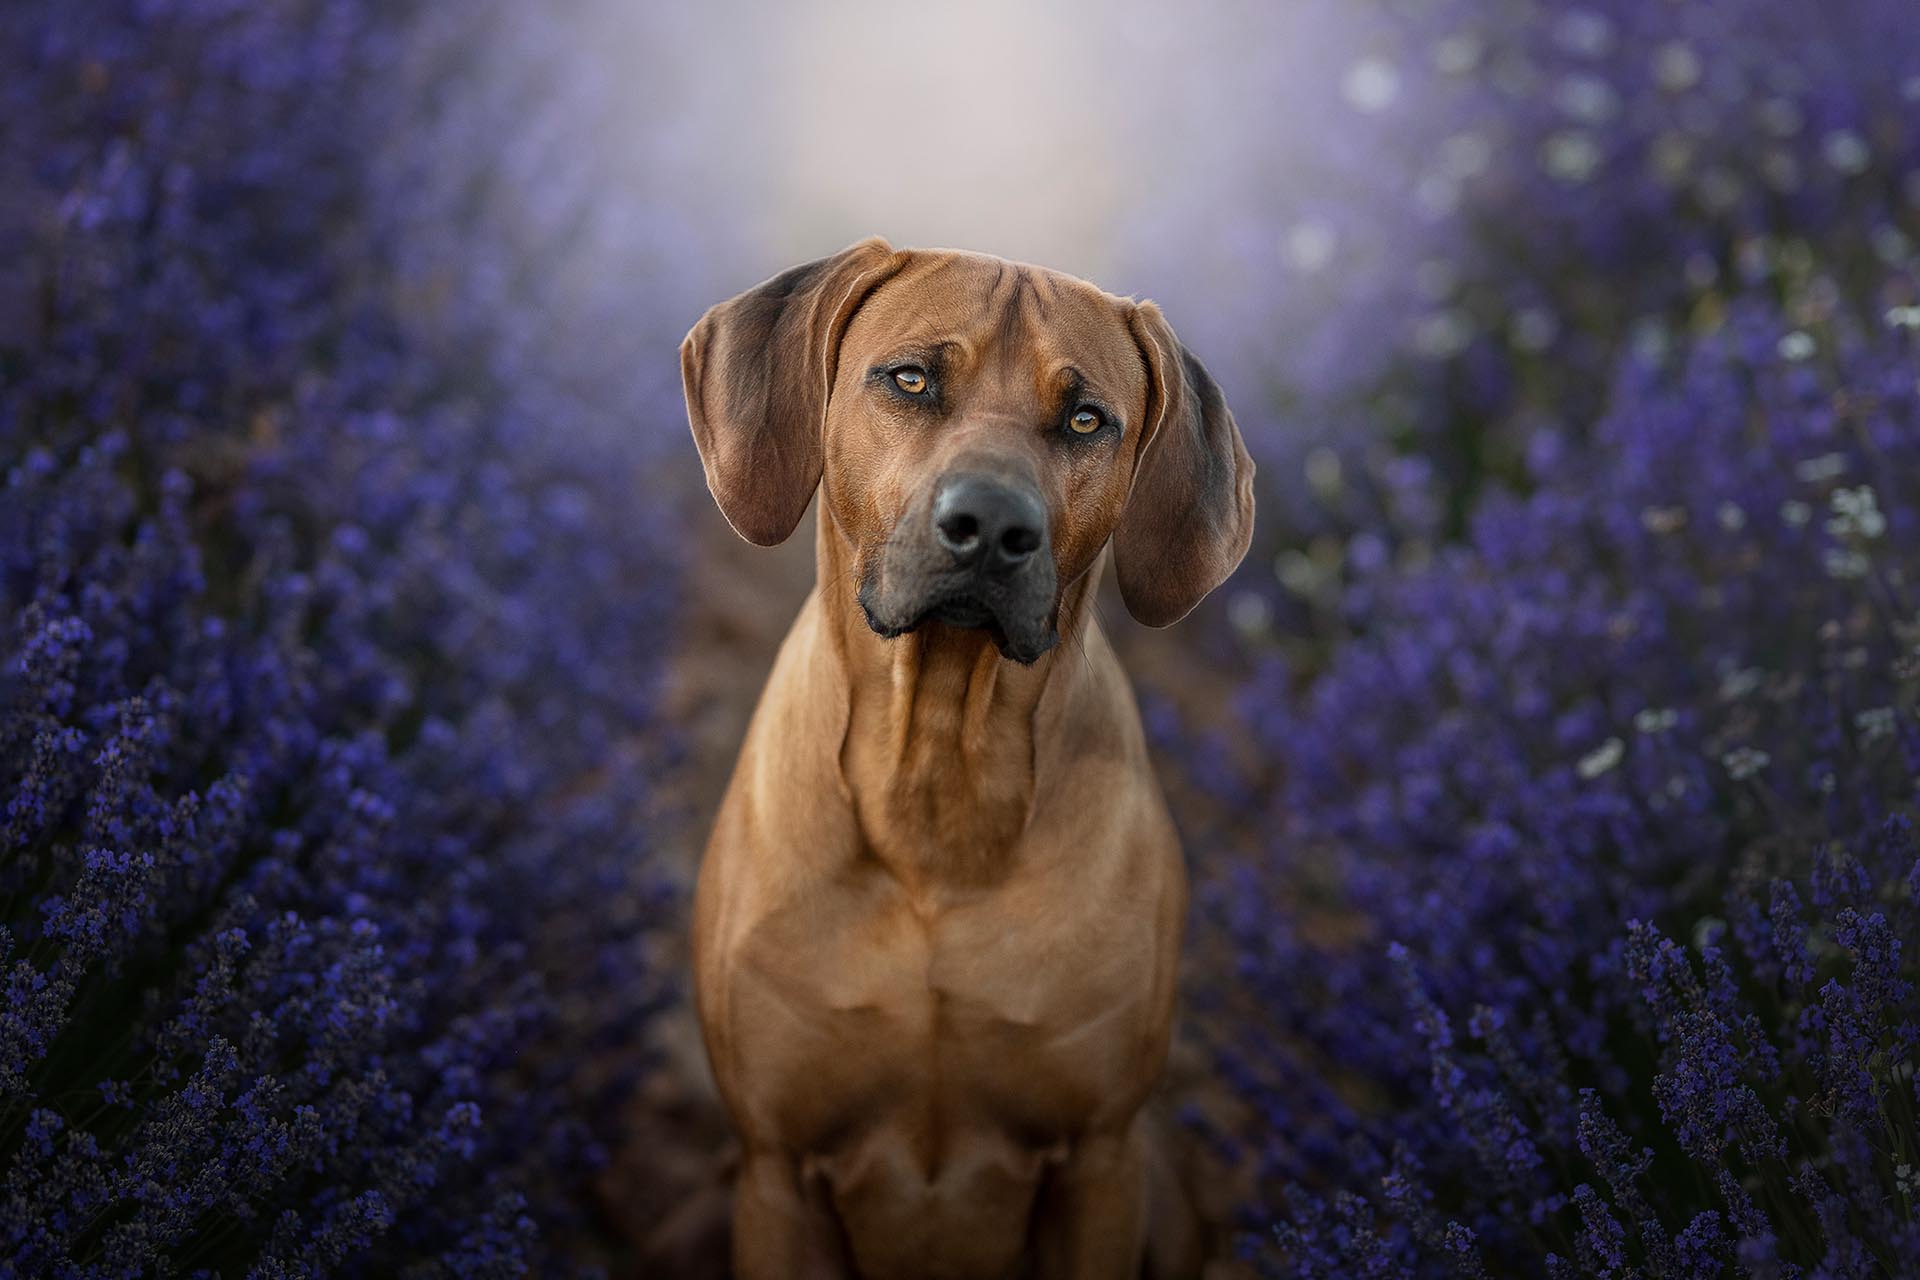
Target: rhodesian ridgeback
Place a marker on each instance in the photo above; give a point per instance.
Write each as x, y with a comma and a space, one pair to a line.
938, 923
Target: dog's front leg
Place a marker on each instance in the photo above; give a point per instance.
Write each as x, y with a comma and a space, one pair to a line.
783, 1230
1091, 1220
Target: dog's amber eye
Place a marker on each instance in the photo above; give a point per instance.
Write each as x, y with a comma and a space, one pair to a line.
910, 380
1086, 420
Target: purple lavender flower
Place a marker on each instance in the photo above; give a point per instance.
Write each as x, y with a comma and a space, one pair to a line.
1588, 601
326, 735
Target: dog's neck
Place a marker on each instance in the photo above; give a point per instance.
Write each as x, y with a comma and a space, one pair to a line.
942, 752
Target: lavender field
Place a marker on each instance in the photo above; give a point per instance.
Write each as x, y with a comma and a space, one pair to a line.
370, 653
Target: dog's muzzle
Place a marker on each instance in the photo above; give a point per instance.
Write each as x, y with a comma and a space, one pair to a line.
982, 559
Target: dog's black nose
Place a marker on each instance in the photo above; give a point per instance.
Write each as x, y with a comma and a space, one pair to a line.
988, 523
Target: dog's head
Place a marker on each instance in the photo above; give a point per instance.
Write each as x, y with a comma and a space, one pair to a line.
983, 428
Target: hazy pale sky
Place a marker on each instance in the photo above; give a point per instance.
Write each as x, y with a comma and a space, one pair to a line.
724, 141
1001, 125
994, 125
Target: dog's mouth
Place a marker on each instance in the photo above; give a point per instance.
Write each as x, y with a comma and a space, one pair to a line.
1015, 633
964, 611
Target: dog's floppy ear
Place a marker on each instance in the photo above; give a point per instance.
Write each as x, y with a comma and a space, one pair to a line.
757, 370
1189, 518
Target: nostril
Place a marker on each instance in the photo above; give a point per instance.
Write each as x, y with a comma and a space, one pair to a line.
960, 531
986, 525
1019, 542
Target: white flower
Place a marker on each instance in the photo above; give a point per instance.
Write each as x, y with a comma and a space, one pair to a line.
1846, 151
1663, 519
1856, 512
1656, 719
1443, 334
1601, 759
1588, 99
1875, 723
1456, 55
1673, 155
1297, 573
1323, 469
1309, 246
1676, 66
1249, 613
1796, 346
1846, 565
1584, 32
1534, 328
1828, 466
1571, 156
1370, 84
1744, 762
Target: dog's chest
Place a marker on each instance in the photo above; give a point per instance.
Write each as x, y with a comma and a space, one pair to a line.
1020, 1011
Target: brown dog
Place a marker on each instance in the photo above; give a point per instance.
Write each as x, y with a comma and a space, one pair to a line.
938, 922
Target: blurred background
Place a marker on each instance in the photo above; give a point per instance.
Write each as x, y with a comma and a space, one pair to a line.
371, 656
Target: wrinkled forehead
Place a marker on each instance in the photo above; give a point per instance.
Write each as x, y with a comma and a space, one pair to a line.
976, 313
